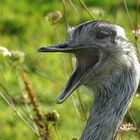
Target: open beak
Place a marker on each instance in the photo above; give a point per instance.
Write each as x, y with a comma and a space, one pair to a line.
87, 58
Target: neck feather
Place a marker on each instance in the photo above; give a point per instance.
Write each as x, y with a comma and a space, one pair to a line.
110, 105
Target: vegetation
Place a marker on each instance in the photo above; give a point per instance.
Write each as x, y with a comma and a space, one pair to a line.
31, 82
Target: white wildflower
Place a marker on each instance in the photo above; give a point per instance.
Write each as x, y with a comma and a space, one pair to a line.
5, 51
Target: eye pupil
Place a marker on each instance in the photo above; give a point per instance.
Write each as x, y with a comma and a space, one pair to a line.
101, 35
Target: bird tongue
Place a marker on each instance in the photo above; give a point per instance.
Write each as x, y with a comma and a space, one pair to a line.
86, 60
85, 63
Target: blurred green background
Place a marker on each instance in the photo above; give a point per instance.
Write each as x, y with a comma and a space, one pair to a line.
25, 25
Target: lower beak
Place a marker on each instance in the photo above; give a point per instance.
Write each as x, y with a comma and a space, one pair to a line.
81, 70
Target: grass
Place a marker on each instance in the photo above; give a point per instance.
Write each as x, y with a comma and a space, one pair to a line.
23, 29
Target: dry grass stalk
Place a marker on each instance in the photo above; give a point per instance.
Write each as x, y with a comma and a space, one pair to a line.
43, 127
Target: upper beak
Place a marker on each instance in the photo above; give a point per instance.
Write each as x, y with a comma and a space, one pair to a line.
65, 47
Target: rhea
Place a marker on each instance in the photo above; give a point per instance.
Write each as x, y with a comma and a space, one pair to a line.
107, 63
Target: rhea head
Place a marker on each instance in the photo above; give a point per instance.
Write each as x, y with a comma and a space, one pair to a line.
101, 49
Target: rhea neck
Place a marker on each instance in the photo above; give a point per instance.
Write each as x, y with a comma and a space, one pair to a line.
110, 105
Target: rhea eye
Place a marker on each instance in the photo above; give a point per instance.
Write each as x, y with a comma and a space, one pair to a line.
102, 34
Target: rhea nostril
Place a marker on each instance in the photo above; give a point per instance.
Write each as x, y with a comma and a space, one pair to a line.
62, 45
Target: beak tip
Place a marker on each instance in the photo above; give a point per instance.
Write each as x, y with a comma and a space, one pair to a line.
40, 49
58, 101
